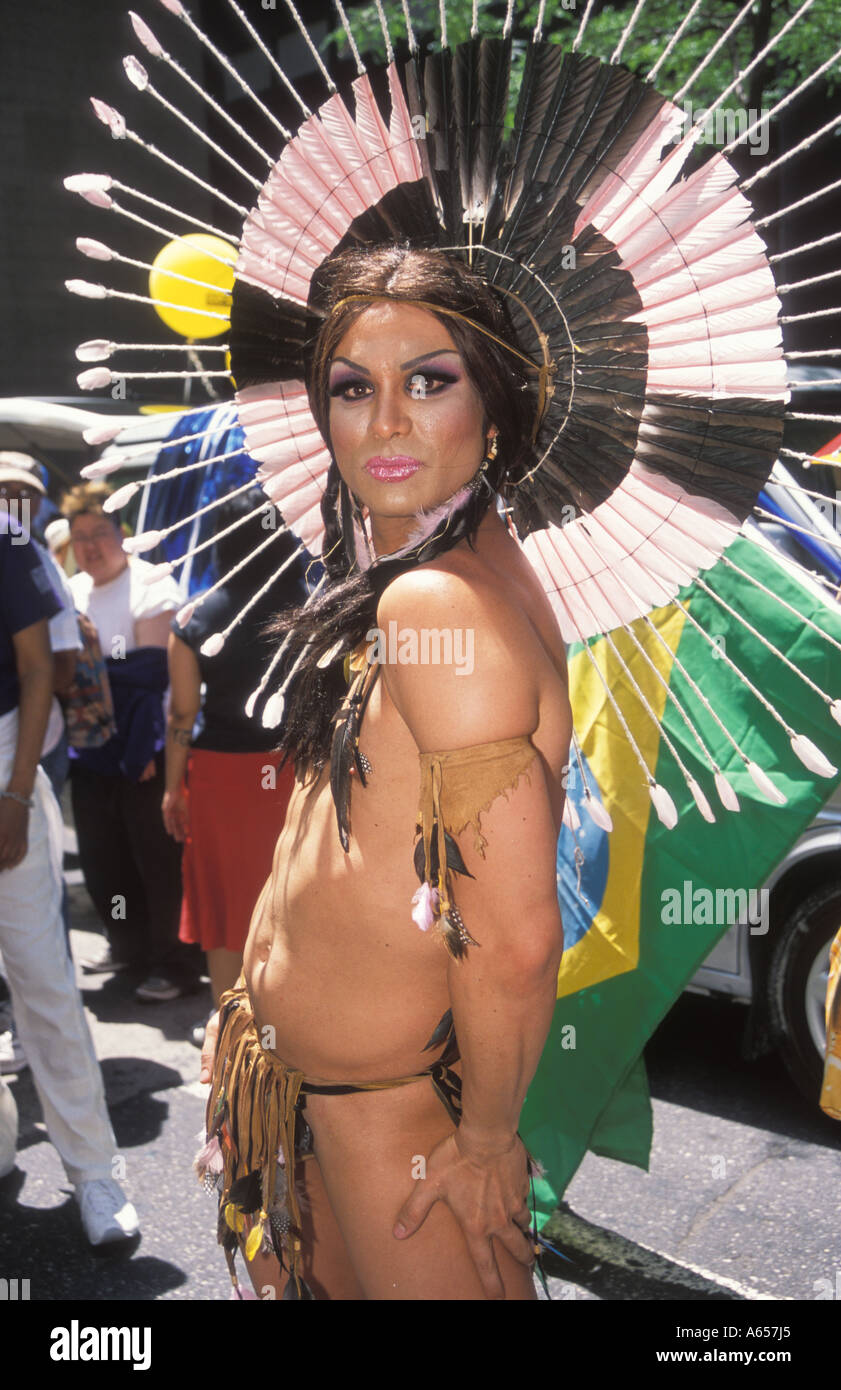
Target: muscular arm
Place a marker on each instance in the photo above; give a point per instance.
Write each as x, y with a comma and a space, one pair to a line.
503, 991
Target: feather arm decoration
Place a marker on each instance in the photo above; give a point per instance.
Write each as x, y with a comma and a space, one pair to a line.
344, 747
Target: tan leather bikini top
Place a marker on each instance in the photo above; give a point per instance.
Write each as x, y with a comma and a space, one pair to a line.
456, 786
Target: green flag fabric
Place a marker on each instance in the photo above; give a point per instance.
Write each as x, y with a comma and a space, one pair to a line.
647, 904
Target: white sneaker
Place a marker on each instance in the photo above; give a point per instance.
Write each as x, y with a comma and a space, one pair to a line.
12, 1058
107, 1216
8, 1129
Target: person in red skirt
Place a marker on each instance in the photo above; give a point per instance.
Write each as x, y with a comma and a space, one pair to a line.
226, 797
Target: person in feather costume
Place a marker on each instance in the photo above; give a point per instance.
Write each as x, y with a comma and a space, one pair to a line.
426, 400
513, 369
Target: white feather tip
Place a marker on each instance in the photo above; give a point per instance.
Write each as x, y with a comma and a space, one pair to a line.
101, 434
94, 378
93, 187
156, 572
86, 289
598, 812
330, 655
273, 712
94, 250
147, 540
812, 757
120, 497
700, 800
727, 796
101, 468
764, 783
184, 614
94, 350
663, 805
135, 72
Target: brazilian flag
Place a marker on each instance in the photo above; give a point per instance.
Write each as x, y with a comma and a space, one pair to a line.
644, 908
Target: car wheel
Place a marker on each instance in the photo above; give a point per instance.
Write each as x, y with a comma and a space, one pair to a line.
797, 982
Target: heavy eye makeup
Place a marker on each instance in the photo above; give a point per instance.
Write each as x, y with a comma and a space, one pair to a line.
420, 382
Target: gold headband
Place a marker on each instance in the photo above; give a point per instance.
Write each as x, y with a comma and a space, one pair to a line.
545, 372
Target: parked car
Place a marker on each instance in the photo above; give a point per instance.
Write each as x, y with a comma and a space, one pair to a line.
782, 975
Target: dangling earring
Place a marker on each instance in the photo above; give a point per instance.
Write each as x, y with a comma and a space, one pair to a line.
480, 477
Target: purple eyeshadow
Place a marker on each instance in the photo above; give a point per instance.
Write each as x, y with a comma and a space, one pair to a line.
343, 379
446, 373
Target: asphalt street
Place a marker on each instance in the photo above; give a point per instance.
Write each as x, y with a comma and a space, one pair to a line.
740, 1202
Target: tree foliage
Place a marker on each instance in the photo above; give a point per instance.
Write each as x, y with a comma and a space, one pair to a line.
809, 43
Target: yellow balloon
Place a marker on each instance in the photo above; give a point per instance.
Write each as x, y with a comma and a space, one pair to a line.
193, 303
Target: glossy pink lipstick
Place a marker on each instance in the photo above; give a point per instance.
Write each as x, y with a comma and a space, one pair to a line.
394, 468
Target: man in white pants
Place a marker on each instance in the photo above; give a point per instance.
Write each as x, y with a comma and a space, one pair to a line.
47, 1007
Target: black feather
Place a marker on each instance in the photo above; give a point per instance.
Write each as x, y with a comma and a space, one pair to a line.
416, 102
344, 747
537, 139
297, 1291
494, 83
268, 336
445, 1036
340, 762
442, 141
359, 764
442, 1032
540, 76
245, 1193
226, 1237
465, 71
452, 939
454, 859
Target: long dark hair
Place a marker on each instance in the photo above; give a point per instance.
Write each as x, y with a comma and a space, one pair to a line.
344, 610
254, 518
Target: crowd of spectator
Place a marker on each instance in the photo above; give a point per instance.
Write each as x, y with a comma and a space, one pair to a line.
173, 794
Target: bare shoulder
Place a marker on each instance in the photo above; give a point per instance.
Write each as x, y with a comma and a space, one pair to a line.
461, 661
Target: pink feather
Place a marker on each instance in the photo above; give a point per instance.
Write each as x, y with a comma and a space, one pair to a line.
326, 169
373, 133
342, 133
427, 522
145, 35
209, 1159
425, 906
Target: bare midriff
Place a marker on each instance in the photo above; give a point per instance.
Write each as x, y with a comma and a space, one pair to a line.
334, 963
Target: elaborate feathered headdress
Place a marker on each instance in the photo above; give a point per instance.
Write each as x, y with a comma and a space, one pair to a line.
643, 293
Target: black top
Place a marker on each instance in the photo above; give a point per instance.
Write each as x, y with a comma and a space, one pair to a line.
26, 596
231, 676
